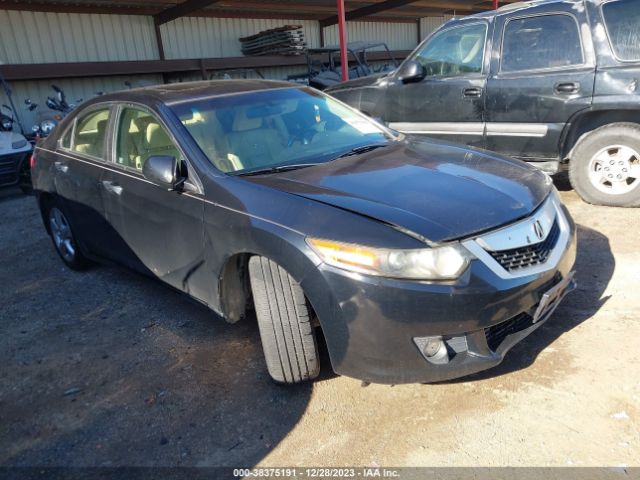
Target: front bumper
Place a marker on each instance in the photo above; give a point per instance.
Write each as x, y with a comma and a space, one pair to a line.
370, 323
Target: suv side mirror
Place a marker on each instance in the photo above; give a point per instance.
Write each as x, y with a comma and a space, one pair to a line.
411, 71
163, 170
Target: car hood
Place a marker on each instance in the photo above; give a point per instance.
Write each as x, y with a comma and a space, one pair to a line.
373, 79
438, 191
12, 142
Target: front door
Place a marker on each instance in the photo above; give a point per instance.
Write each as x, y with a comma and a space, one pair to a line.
161, 231
542, 77
449, 102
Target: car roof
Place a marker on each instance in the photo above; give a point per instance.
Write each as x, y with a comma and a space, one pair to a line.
512, 7
180, 92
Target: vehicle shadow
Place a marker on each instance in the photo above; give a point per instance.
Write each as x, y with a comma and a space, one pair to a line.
594, 268
109, 368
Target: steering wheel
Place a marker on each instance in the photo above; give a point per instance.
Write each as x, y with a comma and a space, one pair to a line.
304, 136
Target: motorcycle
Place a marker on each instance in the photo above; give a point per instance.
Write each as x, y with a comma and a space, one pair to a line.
57, 103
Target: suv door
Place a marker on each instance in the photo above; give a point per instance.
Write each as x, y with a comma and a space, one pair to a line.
161, 231
449, 102
78, 168
543, 75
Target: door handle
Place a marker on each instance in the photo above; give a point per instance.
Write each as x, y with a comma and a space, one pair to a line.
474, 92
567, 87
61, 167
112, 187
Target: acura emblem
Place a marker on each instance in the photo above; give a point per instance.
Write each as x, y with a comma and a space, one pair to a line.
538, 230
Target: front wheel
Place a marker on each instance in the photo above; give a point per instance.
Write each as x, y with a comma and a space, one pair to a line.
284, 320
64, 240
605, 166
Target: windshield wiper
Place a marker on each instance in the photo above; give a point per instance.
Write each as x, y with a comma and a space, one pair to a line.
276, 169
363, 149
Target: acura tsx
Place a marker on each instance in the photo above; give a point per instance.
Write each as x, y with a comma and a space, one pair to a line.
417, 260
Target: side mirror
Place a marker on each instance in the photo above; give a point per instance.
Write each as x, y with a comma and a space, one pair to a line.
163, 170
411, 71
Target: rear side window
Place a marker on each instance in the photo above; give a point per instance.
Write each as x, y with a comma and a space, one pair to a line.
622, 19
546, 41
90, 133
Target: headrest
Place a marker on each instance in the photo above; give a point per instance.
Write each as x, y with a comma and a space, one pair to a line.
142, 122
156, 137
241, 122
102, 126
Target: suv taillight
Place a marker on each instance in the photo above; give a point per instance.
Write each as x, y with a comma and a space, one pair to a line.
32, 160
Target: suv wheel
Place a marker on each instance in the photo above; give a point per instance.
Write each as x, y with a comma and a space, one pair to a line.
288, 338
605, 166
64, 240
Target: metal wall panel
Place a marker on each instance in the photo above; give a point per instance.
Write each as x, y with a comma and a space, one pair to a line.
397, 36
40, 37
197, 37
428, 25
75, 89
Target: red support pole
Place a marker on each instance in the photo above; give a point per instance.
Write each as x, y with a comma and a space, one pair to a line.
342, 30
495, 4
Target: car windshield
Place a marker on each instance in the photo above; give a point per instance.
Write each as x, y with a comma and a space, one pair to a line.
274, 128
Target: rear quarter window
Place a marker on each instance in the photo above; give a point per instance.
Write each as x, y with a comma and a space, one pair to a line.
622, 19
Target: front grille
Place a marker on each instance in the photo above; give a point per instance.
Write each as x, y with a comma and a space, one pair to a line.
497, 333
9, 168
530, 255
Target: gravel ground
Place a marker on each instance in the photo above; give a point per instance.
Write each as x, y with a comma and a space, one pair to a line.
107, 368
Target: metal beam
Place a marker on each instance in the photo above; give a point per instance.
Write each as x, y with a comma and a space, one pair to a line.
181, 10
366, 11
44, 71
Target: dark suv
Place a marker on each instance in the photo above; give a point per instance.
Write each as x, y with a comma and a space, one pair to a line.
553, 82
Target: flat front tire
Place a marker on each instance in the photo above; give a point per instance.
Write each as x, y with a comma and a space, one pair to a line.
284, 320
604, 168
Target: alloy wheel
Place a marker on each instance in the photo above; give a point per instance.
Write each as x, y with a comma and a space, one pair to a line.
615, 170
62, 235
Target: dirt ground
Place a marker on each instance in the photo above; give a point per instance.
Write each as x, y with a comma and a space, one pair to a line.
107, 368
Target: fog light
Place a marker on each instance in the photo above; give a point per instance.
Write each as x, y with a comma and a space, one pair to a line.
434, 349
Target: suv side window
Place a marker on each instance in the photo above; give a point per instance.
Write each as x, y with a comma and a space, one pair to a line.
89, 133
141, 136
455, 52
622, 19
541, 42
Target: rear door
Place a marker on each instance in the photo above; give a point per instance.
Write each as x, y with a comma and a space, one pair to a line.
449, 102
543, 75
78, 168
160, 231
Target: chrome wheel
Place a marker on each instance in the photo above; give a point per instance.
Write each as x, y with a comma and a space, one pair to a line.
62, 235
615, 170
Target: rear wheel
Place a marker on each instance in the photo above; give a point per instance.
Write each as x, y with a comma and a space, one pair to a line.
605, 166
284, 320
64, 239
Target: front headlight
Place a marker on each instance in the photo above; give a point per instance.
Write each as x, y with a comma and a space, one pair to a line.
47, 126
439, 263
7, 124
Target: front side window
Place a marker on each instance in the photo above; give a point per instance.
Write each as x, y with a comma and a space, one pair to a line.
258, 130
90, 133
141, 136
545, 41
622, 18
454, 52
